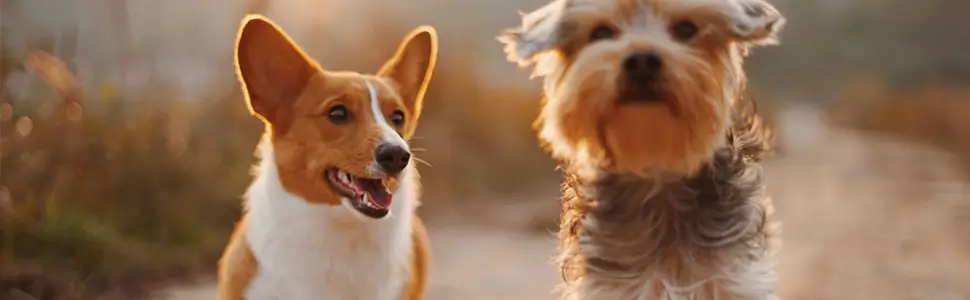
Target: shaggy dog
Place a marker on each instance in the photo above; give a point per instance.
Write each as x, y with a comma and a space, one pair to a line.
646, 109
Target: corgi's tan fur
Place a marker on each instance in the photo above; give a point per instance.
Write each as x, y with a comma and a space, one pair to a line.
331, 211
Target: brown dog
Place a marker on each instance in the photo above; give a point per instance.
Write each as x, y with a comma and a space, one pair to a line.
644, 108
331, 212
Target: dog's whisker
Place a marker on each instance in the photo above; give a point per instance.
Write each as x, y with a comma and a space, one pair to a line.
292, 222
422, 161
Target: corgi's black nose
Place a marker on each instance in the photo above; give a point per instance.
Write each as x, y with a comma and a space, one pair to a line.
392, 158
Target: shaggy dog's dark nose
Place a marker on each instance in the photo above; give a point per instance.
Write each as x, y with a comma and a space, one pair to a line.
392, 158
640, 66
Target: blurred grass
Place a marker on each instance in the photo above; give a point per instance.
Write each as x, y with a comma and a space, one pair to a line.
110, 192
107, 195
105, 191
935, 114
104, 194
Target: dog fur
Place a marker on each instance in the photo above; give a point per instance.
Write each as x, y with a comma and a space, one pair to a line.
301, 237
663, 197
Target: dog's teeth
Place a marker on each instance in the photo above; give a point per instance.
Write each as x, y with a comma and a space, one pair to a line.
344, 177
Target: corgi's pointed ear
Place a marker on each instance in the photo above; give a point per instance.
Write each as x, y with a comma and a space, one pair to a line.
273, 70
412, 66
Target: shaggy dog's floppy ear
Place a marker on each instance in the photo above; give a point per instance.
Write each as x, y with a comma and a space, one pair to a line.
753, 22
538, 34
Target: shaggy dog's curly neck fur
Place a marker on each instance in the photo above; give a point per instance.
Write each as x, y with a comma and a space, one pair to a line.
705, 236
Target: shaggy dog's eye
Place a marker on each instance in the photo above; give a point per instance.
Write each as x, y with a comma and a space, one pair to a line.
338, 114
684, 30
601, 32
397, 117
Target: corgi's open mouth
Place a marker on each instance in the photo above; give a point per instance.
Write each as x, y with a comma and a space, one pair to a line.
369, 196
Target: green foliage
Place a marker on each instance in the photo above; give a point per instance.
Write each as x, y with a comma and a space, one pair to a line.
124, 190
908, 43
147, 185
136, 183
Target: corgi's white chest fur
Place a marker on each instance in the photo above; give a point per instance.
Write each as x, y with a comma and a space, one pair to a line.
324, 252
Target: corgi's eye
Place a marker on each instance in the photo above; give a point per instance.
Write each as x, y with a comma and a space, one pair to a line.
397, 117
338, 114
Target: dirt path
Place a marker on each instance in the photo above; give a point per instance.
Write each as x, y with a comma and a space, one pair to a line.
474, 258
868, 217
863, 218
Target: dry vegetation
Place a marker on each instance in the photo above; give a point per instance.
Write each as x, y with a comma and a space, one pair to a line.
115, 192
935, 114
105, 194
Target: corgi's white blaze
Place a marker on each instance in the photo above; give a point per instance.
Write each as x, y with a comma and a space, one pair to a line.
325, 252
389, 136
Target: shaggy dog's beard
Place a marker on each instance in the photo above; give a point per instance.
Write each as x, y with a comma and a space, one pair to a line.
623, 236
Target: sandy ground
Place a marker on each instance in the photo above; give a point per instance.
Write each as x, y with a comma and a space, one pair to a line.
868, 217
479, 252
864, 217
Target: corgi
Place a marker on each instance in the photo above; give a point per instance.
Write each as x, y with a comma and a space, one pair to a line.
331, 211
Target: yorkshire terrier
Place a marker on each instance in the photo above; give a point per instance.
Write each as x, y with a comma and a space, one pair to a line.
646, 109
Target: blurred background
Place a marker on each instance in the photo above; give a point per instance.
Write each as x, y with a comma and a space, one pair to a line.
125, 144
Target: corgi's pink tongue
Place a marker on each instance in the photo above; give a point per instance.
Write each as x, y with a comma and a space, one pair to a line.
381, 200
376, 193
